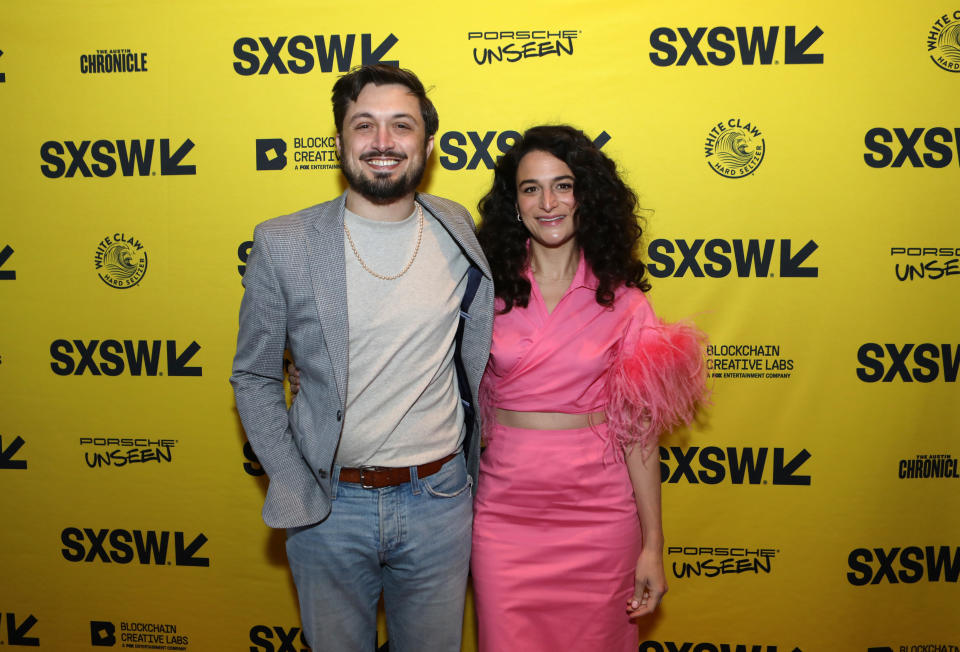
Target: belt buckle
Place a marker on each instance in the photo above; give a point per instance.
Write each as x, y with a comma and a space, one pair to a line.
363, 481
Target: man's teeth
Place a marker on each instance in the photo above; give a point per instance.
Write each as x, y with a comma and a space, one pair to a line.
381, 162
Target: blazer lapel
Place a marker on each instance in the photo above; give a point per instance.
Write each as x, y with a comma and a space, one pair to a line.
461, 232
325, 256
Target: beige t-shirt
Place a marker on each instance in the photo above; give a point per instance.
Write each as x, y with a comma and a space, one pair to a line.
403, 406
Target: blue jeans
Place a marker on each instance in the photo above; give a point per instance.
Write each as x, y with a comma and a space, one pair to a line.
411, 541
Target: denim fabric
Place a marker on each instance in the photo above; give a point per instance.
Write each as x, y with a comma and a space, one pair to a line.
411, 541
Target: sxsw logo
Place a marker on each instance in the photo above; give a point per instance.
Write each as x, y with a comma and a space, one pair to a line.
113, 357
252, 465
472, 149
744, 258
304, 53
17, 631
3, 76
928, 361
130, 157
725, 45
714, 465
6, 274
936, 142
908, 565
271, 154
6, 454
243, 252
126, 546
102, 633
688, 646
287, 640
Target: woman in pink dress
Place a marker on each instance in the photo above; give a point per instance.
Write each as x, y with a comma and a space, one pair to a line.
582, 379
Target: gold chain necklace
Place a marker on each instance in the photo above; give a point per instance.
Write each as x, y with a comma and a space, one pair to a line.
403, 271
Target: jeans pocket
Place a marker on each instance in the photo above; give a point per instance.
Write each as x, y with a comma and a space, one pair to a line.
450, 481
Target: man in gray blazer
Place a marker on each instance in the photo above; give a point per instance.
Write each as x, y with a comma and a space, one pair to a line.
372, 467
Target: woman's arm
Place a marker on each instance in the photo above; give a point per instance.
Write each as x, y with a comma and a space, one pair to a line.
650, 580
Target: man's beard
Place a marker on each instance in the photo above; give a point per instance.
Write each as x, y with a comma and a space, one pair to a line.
381, 188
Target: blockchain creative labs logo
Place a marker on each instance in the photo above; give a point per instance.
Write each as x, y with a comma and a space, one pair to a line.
511, 46
719, 561
120, 261
309, 153
149, 635
929, 465
924, 646
749, 362
100, 452
112, 61
734, 148
925, 263
943, 41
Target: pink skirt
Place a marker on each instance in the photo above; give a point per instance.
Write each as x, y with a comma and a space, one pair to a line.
555, 542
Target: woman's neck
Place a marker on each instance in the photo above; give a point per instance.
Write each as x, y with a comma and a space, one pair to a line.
554, 263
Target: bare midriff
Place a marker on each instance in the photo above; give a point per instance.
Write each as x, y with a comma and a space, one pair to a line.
548, 420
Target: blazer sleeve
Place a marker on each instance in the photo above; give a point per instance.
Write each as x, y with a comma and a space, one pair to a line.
257, 376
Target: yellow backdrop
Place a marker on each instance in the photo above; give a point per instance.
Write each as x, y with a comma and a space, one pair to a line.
800, 166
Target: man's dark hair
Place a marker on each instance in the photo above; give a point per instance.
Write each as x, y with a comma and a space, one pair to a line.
348, 88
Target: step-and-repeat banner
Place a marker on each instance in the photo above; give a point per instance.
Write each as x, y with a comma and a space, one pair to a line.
799, 168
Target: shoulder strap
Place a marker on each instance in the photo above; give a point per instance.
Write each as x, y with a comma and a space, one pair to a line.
473, 282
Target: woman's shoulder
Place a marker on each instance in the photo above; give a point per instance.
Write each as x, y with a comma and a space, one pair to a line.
631, 300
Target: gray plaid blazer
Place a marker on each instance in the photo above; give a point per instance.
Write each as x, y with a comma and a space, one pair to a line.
296, 297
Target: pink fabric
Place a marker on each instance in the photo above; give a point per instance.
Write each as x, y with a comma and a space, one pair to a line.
656, 383
556, 533
582, 357
555, 540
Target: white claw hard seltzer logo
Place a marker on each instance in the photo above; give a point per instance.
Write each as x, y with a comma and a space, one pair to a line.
943, 41
120, 261
734, 148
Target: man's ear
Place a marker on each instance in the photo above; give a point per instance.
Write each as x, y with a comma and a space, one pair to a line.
429, 146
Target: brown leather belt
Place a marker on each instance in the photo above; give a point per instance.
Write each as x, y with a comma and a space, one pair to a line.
375, 477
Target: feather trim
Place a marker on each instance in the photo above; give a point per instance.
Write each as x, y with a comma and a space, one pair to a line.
657, 386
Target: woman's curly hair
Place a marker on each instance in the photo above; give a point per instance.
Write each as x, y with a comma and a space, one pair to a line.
607, 229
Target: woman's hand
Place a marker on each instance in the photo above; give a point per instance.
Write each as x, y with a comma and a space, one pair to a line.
294, 374
650, 584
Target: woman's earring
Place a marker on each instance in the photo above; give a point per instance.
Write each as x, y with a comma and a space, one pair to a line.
518, 216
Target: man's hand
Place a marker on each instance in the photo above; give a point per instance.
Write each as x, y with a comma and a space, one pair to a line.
294, 374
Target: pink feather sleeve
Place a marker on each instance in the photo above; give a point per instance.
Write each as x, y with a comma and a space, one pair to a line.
657, 382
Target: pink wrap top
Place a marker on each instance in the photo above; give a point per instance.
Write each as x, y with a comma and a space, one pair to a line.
584, 357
